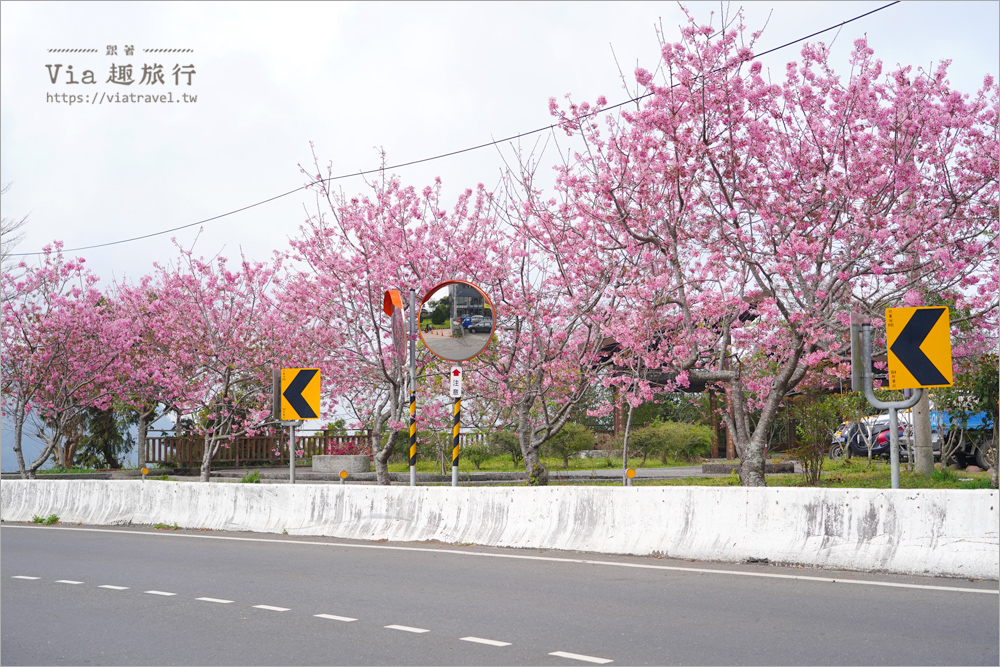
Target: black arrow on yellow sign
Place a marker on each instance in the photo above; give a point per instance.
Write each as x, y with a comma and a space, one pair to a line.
294, 393
907, 347
919, 341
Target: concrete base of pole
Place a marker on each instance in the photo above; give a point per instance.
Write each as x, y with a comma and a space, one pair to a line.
454, 475
413, 475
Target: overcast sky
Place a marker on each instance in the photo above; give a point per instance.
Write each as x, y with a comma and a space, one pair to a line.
415, 79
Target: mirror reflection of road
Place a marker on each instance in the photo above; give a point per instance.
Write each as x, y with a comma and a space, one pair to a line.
442, 343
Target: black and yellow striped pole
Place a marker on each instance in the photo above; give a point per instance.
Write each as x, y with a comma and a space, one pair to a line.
455, 445
413, 387
413, 437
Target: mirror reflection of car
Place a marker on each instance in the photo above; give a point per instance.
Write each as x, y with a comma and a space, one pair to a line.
482, 325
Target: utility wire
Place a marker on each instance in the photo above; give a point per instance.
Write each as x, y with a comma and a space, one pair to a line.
440, 156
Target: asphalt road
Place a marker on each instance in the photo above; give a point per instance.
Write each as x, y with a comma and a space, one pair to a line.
110, 596
456, 349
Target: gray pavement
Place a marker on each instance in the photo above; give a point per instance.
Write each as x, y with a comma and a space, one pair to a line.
109, 596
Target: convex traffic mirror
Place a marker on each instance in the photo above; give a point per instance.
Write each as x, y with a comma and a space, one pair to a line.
456, 320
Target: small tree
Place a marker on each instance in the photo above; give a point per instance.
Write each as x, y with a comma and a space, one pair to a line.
572, 438
508, 443
477, 454
107, 438
817, 419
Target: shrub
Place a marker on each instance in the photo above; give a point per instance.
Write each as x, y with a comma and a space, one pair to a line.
251, 478
570, 439
816, 420
670, 441
476, 454
508, 443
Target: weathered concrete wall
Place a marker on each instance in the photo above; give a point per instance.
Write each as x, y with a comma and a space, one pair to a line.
334, 463
937, 532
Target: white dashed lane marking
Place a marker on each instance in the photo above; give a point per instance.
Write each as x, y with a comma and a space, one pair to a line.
577, 656
489, 642
345, 619
405, 628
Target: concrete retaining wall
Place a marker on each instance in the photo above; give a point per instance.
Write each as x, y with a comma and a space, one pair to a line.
936, 532
334, 463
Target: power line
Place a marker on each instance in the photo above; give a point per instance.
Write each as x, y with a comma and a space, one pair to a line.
436, 157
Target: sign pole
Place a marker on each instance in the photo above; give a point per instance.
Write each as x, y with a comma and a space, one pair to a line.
413, 387
891, 406
291, 453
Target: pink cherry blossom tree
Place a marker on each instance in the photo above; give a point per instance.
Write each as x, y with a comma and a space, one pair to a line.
352, 250
552, 300
214, 329
153, 383
764, 213
63, 344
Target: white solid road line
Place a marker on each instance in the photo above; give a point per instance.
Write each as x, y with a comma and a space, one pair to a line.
480, 640
214, 600
550, 559
159, 593
270, 608
67, 581
345, 619
577, 656
114, 588
405, 628
21, 576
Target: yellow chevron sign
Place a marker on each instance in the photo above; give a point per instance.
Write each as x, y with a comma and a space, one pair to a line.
919, 342
299, 393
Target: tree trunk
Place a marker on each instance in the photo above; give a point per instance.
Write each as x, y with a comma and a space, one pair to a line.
750, 447
382, 467
211, 444
752, 460
141, 438
18, 432
923, 451
538, 475
382, 454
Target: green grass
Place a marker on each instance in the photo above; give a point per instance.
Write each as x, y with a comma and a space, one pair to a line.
444, 325
504, 464
251, 478
854, 474
62, 471
48, 521
165, 526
